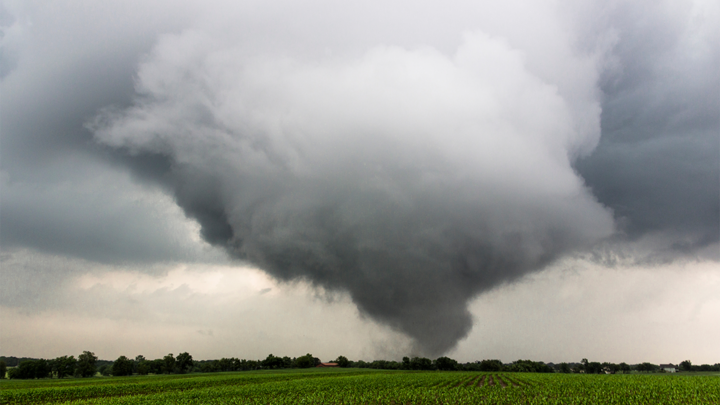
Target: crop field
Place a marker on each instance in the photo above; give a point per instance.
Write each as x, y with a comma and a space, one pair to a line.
360, 386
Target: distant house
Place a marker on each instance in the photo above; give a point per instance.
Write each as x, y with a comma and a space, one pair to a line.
668, 368
327, 365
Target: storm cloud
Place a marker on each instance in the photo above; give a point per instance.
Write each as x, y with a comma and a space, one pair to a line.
410, 156
657, 163
410, 179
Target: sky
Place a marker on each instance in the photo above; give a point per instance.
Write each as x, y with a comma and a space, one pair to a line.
536, 180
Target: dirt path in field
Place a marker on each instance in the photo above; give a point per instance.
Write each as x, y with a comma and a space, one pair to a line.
502, 382
481, 382
513, 382
490, 381
460, 383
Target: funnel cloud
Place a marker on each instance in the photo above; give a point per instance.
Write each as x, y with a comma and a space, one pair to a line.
409, 179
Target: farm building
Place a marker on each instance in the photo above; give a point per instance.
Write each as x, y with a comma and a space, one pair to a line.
668, 368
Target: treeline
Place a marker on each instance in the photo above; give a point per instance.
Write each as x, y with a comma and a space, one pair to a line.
270, 362
688, 366
589, 367
88, 365
448, 364
65, 366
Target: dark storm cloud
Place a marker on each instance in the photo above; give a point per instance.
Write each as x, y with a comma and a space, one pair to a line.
62, 193
413, 157
658, 162
410, 179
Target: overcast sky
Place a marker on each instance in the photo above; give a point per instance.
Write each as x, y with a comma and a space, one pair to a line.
374, 179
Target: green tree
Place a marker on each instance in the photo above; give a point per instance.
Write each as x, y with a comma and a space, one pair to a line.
491, 365
273, 362
30, 369
564, 368
63, 366
122, 367
305, 361
686, 365
646, 367
138, 359
529, 366
612, 367
224, 364
169, 364
143, 368
593, 368
421, 363
85, 366
445, 364
3, 369
105, 370
342, 361
156, 366
184, 362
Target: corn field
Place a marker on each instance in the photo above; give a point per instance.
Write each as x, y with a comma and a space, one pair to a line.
355, 386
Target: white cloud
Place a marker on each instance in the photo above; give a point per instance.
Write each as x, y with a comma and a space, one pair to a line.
209, 311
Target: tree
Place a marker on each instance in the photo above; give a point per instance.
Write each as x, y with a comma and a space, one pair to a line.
105, 370
646, 367
686, 365
169, 363
30, 369
593, 368
624, 367
223, 364
491, 365
445, 364
85, 366
529, 366
612, 367
305, 361
122, 367
421, 363
143, 368
156, 366
63, 366
3, 369
564, 368
138, 359
703, 367
273, 362
342, 361
184, 362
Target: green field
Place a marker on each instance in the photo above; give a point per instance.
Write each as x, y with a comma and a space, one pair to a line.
362, 386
